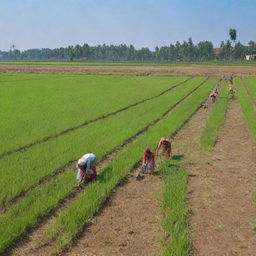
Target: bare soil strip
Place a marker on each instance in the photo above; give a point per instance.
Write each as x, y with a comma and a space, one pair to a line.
54, 136
222, 191
30, 243
193, 70
129, 224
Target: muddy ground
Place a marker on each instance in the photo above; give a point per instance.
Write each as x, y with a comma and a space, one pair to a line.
196, 70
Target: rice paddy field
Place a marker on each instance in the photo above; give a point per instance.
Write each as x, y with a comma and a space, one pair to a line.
48, 121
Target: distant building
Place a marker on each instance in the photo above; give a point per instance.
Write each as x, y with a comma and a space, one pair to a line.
251, 56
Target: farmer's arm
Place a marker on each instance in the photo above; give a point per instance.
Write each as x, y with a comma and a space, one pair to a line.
143, 159
158, 147
169, 150
82, 176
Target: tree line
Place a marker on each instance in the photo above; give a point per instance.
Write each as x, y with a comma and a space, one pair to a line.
185, 51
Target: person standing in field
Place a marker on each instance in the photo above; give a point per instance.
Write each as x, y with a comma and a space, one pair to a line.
165, 147
231, 90
148, 162
231, 79
86, 168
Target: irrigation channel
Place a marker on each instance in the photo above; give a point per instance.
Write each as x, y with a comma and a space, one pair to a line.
45, 222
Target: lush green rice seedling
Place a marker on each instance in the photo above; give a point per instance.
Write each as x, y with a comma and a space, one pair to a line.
33, 107
247, 107
26, 213
100, 137
176, 239
250, 82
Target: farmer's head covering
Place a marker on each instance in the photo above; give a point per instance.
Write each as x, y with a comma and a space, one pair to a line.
81, 162
163, 139
147, 152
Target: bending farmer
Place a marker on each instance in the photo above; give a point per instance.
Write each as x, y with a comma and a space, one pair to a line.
165, 147
212, 97
86, 168
148, 162
231, 90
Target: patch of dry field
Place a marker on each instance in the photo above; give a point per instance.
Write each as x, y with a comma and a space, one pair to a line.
196, 70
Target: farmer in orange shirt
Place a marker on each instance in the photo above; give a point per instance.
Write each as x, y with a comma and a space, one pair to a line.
165, 146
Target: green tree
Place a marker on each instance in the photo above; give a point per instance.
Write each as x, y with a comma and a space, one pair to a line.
144, 54
232, 34
163, 53
205, 50
226, 52
239, 51
251, 47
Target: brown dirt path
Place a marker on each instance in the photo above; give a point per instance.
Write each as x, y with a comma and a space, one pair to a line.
129, 224
223, 192
190, 70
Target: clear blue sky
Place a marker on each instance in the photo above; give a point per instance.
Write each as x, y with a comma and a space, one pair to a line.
55, 23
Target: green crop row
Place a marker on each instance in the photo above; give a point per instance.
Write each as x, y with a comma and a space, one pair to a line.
41, 200
32, 109
20, 77
216, 119
251, 84
72, 219
176, 238
247, 106
99, 137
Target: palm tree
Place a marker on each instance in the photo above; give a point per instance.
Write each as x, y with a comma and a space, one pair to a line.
12, 47
232, 34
